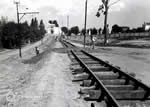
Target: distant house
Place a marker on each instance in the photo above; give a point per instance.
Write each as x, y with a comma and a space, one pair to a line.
52, 29
146, 26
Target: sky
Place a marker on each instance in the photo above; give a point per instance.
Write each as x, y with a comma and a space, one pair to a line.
132, 13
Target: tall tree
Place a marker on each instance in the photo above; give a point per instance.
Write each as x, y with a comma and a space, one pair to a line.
42, 28
32, 22
35, 23
9, 35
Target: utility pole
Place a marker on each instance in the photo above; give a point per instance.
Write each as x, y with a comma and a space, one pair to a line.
105, 22
17, 7
18, 22
106, 2
85, 22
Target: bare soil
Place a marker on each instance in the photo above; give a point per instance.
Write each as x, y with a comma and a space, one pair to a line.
43, 80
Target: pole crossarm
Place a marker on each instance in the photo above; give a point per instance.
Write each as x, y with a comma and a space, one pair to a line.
22, 17
18, 21
29, 13
24, 13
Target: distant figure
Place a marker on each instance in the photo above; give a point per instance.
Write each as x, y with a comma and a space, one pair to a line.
93, 38
36, 50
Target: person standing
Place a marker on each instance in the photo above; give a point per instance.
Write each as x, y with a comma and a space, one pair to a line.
93, 41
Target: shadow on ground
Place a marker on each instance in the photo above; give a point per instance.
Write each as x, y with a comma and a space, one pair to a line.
34, 59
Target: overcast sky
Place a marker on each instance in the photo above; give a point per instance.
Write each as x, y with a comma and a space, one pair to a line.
130, 13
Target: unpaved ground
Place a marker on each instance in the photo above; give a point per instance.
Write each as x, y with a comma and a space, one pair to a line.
134, 60
38, 81
14, 73
129, 60
135, 42
51, 86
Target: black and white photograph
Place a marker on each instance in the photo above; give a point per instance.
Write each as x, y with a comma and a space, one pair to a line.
74, 53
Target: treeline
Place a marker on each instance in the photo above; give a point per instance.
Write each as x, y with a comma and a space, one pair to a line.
75, 30
13, 35
93, 31
125, 29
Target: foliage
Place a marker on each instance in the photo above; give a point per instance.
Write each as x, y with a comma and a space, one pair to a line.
54, 22
42, 28
75, 30
125, 29
116, 29
94, 31
15, 35
3, 21
9, 35
83, 31
100, 30
64, 29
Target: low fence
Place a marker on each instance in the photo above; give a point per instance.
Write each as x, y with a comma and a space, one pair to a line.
127, 35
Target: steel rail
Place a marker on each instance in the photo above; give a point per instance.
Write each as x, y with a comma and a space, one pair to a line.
64, 43
69, 43
110, 100
105, 93
121, 73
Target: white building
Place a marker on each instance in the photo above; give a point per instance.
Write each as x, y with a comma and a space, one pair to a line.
146, 26
54, 30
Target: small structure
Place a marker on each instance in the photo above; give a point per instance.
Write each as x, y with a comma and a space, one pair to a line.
146, 26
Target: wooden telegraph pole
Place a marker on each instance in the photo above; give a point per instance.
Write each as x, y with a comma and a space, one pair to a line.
105, 21
18, 21
85, 22
106, 2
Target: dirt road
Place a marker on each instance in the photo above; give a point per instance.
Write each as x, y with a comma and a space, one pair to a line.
39, 81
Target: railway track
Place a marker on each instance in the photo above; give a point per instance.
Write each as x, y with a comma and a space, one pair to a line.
103, 81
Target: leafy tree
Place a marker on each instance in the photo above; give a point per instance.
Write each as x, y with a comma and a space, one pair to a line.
100, 30
9, 35
94, 31
36, 23
34, 28
32, 23
55, 23
50, 21
42, 28
140, 29
83, 31
75, 30
69, 32
3, 21
64, 29
116, 29
25, 31
13, 35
